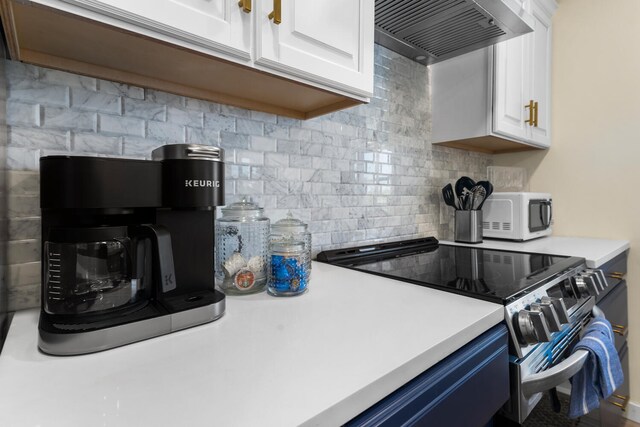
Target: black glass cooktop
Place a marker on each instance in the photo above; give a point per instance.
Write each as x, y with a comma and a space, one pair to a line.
498, 276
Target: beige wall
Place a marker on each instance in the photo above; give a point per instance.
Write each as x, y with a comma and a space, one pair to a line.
593, 166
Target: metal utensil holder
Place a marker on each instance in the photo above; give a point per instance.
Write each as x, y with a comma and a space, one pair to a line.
468, 226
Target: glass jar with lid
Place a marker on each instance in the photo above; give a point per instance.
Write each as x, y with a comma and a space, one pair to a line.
296, 229
288, 271
242, 247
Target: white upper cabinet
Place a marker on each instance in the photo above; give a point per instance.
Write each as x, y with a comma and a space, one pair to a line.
215, 24
522, 108
512, 65
330, 40
540, 49
327, 44
510, 89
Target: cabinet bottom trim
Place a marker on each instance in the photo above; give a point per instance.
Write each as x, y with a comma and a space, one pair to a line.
488, 144
633, 411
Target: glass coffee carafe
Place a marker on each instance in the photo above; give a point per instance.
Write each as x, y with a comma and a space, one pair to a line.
89, 270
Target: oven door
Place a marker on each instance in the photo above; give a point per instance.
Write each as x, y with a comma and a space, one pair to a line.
548, 366
540, 215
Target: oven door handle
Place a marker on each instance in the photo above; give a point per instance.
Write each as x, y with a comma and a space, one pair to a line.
560, 373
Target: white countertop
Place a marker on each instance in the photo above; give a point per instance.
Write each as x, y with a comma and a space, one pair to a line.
317, 359
595, 251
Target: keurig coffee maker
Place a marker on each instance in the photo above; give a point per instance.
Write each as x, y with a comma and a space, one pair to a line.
128, 247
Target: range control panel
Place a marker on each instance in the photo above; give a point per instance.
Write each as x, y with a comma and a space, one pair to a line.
537, 316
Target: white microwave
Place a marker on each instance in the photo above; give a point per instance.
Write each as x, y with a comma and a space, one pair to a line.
517, 216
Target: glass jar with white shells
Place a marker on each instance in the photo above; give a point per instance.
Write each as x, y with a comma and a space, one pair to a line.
242, 248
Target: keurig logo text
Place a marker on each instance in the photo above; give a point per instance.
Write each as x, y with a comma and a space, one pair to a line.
201, 183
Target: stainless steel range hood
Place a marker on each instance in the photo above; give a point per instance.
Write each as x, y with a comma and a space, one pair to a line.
430, 31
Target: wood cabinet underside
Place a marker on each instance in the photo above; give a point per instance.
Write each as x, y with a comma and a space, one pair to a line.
488, 144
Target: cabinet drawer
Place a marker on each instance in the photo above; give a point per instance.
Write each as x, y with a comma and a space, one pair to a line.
615, 269
465, 389
612, 409
614, 305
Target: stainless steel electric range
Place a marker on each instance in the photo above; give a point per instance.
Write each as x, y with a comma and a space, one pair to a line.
547, 300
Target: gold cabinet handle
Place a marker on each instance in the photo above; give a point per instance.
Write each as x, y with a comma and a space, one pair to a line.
619, 329
535, 114
622, 405
245, 5
616, 275
530, 107
276, 13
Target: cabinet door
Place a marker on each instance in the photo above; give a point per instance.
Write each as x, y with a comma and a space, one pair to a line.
614, 305
512, 63
328, 41
216, 24
540, 51
612, 409
465, 389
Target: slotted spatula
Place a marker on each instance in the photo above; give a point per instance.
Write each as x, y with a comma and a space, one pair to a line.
449, 196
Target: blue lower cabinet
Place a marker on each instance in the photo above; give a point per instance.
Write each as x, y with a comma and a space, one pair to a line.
466, 389
614, 305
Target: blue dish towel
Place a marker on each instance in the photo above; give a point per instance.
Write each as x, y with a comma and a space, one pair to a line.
601, 374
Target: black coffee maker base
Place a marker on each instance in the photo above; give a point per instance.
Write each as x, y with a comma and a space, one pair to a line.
56, 341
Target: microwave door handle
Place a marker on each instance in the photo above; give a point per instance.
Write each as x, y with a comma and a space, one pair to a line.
549, 214
560, 373
545, 213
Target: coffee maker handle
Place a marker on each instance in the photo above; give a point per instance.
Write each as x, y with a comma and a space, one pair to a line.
163, 252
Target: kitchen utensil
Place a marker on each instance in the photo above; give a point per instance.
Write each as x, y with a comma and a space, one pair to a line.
449, 196
488, 188
478, 196
468, 226
463, 185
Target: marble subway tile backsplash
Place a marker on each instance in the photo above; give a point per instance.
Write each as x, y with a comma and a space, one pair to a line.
4, 226
508, 179
21, 234
364, 174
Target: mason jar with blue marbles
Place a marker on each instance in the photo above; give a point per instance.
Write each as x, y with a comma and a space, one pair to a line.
288, 269
293, 228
